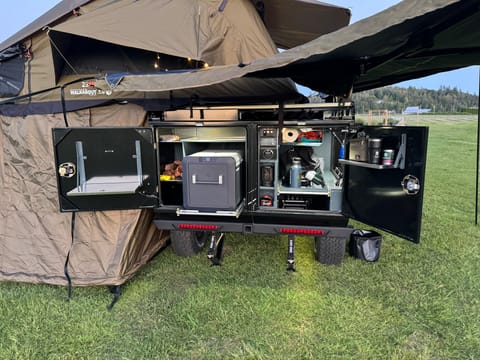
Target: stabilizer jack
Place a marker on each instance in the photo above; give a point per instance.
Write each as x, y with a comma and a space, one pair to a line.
215, 249
291, 253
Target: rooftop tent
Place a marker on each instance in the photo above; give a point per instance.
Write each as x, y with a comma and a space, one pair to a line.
199, 30
173, 35
216, 33
85, 39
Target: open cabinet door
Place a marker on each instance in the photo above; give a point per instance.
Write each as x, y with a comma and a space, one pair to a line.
105, 168
389, 197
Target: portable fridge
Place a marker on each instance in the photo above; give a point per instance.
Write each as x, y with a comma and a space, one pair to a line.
212, 180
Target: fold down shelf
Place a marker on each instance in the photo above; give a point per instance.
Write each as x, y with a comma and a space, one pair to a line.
366, 165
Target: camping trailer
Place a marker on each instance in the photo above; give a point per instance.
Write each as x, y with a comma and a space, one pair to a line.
202, 132
301, 169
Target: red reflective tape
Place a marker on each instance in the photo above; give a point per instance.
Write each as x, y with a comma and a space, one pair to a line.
197, 227
302, 231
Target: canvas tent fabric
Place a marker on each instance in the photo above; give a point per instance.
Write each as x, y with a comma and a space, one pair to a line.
107, 247
406, 41
289, 22
292, 23
194, 29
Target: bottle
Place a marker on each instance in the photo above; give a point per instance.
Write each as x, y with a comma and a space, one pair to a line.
341, 155
296, 172
374, 149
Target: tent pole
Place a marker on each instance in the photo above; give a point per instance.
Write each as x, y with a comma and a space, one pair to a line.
478, 151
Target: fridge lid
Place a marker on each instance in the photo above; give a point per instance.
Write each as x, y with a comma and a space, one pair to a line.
235, 155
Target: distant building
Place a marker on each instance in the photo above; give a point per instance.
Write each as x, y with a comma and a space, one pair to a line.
415, 110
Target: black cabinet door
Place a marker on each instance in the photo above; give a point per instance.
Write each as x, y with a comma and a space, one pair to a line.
105, 168
390, 198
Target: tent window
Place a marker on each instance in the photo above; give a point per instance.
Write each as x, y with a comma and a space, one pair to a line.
76, 55
12, 71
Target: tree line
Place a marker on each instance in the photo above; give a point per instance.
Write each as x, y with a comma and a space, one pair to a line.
392, 98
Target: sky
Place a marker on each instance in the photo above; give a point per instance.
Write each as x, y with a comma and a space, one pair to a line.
15, 14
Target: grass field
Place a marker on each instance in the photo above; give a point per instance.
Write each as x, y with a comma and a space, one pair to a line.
418, 302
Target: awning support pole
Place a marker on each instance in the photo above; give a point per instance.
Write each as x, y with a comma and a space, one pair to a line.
478, 152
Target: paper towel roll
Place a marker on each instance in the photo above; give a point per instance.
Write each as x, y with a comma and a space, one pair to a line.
289, 135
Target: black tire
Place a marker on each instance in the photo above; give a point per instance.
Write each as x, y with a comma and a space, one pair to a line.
330, 250
188, 243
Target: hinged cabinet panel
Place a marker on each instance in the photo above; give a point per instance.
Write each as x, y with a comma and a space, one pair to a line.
105, 168
389, 195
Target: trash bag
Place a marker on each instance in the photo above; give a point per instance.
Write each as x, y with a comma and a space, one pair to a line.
365, 245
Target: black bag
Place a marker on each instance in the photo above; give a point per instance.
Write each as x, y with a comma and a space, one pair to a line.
365, 245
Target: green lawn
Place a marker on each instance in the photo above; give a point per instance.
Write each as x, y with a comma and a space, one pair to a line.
418, 302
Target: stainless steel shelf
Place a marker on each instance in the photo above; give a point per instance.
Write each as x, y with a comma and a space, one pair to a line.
312, 190
366, 165
306, 143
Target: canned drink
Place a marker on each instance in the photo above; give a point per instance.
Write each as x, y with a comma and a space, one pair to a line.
388, 157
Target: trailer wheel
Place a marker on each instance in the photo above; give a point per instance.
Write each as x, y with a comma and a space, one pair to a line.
330, 250
188, 243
